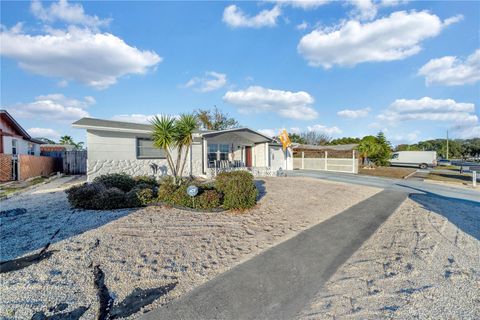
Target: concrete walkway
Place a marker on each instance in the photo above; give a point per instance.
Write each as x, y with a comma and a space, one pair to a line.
278, 283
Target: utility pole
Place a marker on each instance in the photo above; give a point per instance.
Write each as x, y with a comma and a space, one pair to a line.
447, 144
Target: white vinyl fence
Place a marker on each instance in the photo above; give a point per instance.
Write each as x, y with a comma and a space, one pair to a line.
349, 165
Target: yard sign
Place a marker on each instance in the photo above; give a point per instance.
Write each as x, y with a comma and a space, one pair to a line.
285, 139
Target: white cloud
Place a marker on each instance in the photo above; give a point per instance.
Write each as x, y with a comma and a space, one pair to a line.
94, 59
54, 107
236, 18
302, 4
302, 26
209, 82
354, 114
324, 129
394, 37
451, 71
277, 131
135, 117
66, 12
363, 9
256, 99
44, 133
430, 109
409, 137
468, 132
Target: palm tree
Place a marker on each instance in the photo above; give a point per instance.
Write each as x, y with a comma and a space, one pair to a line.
169, 133
66, 140
163, 136
186, 125
368, 146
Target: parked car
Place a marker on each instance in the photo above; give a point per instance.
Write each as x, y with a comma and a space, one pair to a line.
421, 159
444, 162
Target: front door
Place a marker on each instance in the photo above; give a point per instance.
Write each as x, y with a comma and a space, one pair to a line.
248, 156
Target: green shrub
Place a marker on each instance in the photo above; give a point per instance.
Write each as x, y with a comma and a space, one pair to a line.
132, 199
146, 180
238, 188
166, 190
121, 181
112, 198
208, 199
84, 196
144, 195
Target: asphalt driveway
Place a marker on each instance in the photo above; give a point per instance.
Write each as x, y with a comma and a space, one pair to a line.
278, 283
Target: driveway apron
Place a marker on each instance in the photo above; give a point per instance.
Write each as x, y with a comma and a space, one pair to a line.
278, 283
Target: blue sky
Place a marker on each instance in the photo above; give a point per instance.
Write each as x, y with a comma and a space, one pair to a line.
411, 69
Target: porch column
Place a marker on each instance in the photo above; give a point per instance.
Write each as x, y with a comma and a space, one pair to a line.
204, 155
267, 155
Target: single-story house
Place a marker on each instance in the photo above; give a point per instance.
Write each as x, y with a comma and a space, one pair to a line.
14, 139
115, 146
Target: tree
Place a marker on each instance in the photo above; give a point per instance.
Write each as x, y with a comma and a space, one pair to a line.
315, 138
296, 138
214, 119
169, 134
368, 147
384, 151
345, 140
46, 140
67, 140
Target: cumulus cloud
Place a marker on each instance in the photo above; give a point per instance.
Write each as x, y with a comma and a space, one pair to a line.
354, 114
44, 133
363, 9
54, 107
66, 12
324, 129
302, 4
209, 82
236, 18
430, 109
256, 99
451, 71
275, 132
394, 37
94, 59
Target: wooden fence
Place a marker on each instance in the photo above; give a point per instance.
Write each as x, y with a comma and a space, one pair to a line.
72, 162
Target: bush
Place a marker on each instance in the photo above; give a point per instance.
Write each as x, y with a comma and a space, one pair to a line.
209, 199
121, 181
146, 180
238, 188
143, 195
84, 196
112, 198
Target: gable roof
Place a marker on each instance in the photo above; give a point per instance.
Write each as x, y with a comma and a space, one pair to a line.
130, 127
17, 126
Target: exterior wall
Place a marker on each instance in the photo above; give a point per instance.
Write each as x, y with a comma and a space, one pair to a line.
115, 152
259, 155
235, 142
5, 167
277, 158
22, 145
34, 166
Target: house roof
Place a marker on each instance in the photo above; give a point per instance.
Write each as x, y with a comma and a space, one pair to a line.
121, 126
18, 127
339, 147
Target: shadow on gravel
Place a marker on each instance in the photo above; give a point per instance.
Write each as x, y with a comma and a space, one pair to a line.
464, 214
262, 191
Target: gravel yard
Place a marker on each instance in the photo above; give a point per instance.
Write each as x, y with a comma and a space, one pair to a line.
423, 263
121, 263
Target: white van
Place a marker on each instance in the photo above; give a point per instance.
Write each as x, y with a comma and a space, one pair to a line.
421, 159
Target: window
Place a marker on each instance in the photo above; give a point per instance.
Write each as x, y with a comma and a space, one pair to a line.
14, 146
31, 149
218, 152
146, 150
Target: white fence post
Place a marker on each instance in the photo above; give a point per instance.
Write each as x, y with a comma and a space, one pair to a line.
303, 160
474, 178
353, 161
326, 160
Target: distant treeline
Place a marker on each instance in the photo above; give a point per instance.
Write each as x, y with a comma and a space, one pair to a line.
458, 148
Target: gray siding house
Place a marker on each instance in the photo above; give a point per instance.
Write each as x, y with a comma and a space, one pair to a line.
115, 146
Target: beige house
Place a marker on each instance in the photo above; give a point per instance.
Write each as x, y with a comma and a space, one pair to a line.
115, 146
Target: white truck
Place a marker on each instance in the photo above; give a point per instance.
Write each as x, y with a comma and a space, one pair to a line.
421, 159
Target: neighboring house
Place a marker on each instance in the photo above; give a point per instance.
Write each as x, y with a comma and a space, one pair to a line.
19, 153
115, 146
14, 139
